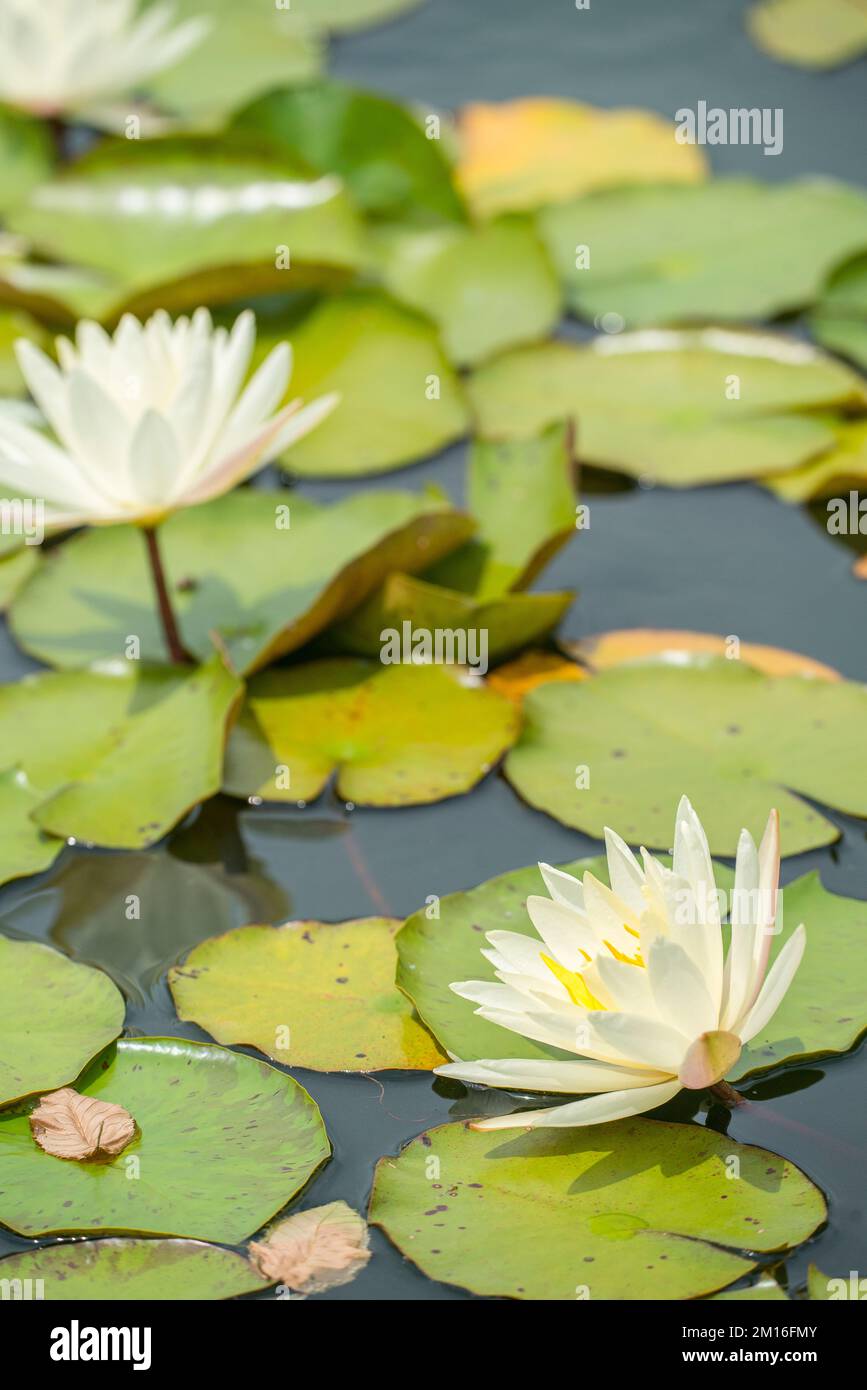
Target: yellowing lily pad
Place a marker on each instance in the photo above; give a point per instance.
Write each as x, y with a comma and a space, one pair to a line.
114, 1270
399, 398
376, 145
533, 668
523, 154
225, 1141
24, 848
810, 33
678, 408
55, 1016
824, 1010
308, 994
188, 222
396, 735
267, 571
630, 1210
621, 748
844, 466
637, 644
731, 249
486, 288
116, 759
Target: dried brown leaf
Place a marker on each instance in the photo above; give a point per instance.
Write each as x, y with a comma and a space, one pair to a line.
314, 1250
69, 1125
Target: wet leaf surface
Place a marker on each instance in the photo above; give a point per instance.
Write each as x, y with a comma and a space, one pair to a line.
114, 1270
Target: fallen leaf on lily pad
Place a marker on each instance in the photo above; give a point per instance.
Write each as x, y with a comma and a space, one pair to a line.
396, 735
810, 33
621, 748
637, 644
68, 1125
189, 221
399, 398
487, 288
630, 1210
315, 1250
839, 320
308, 994
266, 570
508, 621
114, 1270
24, 847
844, 466
55, 1016
117, 757
519, 155
680, 408
730, 249
225, 1142
376, 145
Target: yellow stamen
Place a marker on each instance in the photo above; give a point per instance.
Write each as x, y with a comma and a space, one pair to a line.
621, 955
574, 983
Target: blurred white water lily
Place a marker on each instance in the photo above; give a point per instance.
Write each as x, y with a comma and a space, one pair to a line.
60, 57
633, 980
150, 420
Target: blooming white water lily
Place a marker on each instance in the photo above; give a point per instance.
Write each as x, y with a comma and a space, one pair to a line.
150, 420
66, 56
632, 979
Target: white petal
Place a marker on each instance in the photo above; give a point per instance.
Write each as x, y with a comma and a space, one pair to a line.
628, 986
780, 976
569, 1078
153, 460
644, 1042
615, 1105
678, 990
263, 393
568, 938
563, 887
624, 872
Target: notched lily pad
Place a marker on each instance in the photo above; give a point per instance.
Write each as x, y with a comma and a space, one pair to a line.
225, 1141
55, 1015
24, 848
639, 1209
738, 740
396, 735
307, 994
266, 570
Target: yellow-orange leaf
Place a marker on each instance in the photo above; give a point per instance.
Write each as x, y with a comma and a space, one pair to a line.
314, 1250
619, 648
68, 1125
519, 155
517, 678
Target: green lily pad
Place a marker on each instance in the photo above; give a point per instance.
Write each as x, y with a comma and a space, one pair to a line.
765, 1289
225, 1141
24, 848
630, 1210
522, 495
729, 249
26, 156
115, 1270
832, 474
840, 318
824, 1009
16, 568
656, 405
133, 914
399, 398
737, 741
810, 33
247, 50
266, 570
508, 621
189, 216
308, 994
54, 294
346, 15
376, 145
486, 288
119, 757
396, 735
55, 1016
13, 326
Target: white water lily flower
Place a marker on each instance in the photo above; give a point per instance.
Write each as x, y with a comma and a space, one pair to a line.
65, 56
632, 979
149, 420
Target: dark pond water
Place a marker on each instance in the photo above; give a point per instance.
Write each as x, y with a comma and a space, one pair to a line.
727, 559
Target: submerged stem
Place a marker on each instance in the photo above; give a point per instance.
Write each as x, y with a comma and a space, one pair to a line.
726, 1094
174, 645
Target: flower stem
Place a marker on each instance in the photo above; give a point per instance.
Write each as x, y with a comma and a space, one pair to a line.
726, 1094
174, 645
